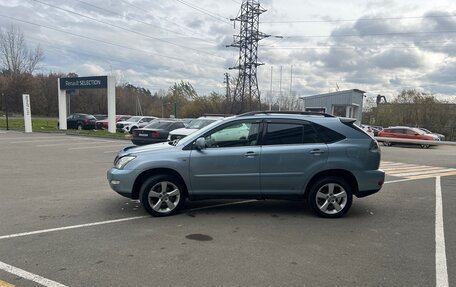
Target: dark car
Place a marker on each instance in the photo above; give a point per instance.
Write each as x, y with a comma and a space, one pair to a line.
155, 132
81, 121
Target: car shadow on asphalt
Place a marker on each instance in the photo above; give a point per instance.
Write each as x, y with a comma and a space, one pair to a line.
263, 208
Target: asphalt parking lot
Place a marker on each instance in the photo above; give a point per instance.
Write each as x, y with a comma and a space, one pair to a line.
63, 226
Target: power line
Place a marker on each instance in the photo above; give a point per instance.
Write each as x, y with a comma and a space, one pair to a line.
139, 21
128, 30
374, 34
101, 41
354, 20
204, 11
357, 47
167, 20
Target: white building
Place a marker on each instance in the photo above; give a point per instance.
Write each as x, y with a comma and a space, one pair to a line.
347, 103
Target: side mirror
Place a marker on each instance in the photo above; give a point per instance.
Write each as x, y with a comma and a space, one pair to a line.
200, 143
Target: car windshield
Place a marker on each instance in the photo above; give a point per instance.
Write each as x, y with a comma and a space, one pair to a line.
124, 118
426, 131
419, 131
134, 119
199, 123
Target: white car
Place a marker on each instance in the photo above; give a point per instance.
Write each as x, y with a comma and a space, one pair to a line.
133, 123
368, 129
193, 126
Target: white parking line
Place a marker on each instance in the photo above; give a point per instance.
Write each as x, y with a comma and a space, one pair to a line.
424, 172
70, 227
41, 140
84, 143
399, 180
29, 276
101, 146
441, 272
32, 137
220, 205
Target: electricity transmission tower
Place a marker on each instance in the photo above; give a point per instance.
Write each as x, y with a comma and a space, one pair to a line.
246, 95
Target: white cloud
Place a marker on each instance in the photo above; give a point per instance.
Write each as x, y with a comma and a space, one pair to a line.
154, 44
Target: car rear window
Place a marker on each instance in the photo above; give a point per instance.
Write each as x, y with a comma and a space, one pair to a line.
159, 125
327, 135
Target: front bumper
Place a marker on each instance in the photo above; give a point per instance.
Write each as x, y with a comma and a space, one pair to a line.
122, 180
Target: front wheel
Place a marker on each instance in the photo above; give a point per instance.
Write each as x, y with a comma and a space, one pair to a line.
330, 197
162, 195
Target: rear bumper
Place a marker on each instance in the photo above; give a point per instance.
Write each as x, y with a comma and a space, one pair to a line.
140, 141
369, 182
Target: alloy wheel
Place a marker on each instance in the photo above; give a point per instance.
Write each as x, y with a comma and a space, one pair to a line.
331, 198
164, 197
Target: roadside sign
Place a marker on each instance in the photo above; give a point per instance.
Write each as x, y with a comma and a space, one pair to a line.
98, 82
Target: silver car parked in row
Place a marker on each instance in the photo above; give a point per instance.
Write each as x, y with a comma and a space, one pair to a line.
317, 158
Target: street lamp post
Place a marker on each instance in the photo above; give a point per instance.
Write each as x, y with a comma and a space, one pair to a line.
6, 110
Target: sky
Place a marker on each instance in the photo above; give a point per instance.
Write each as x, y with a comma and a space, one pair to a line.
380, 46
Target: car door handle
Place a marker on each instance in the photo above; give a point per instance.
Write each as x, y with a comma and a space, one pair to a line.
250, 154
317, 151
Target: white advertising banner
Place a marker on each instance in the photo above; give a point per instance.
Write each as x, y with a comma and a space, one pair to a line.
27, 113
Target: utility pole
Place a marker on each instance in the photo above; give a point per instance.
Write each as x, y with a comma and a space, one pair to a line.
291, 84
227, 82
270, 92
280, 89
246, 95
6, 110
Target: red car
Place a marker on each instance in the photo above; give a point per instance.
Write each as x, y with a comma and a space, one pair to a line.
103, 124
406, 133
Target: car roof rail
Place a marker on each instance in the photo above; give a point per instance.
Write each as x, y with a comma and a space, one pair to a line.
216, 115
286, 112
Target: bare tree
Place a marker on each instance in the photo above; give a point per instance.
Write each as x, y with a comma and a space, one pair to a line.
15, 57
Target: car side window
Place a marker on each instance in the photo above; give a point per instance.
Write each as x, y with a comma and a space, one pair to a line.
234, 135
284, 133
321, 134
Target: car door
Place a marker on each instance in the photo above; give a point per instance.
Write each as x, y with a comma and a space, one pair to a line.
70, 122
291, 153
230, 163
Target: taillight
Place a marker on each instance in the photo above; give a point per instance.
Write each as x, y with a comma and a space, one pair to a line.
374, 147
155, 135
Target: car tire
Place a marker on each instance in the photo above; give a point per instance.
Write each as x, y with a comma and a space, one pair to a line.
425, 146
330, 197
158, 202
132, 129
387, 144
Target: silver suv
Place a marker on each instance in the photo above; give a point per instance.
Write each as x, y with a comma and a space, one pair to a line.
317, 158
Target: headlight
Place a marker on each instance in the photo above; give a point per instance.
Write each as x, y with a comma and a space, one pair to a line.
121, 162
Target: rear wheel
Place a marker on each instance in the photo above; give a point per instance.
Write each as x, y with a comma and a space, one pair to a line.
162, 195
425, 146
330, 197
